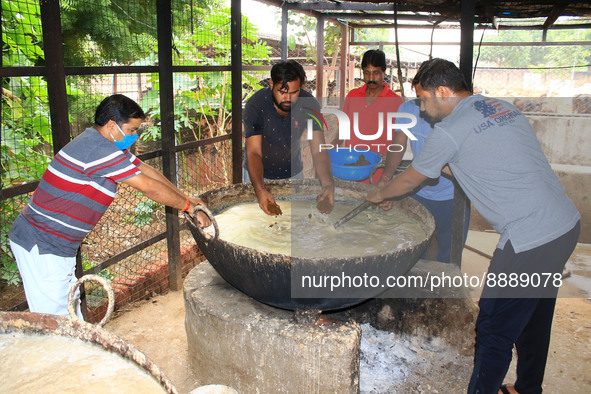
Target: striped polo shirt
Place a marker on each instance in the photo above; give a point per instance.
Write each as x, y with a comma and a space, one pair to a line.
76, 189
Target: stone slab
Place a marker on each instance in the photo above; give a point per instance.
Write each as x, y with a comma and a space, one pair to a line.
254, 348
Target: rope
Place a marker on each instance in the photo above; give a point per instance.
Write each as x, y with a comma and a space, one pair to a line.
103, 282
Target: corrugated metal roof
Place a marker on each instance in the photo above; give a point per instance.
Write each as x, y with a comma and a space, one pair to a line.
542, 14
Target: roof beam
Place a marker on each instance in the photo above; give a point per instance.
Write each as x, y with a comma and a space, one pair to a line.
554, 14
484, 44
402, 26
479, 26
428, 14
389, 16
431, 18
316, 8
342, 6
359, 6
553, 27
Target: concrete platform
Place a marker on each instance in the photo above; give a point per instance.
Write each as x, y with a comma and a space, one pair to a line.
237, 341
240, 342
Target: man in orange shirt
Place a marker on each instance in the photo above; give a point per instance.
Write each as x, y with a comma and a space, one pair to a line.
367, 108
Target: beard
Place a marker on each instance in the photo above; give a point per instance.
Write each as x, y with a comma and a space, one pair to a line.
285, 106
429, 119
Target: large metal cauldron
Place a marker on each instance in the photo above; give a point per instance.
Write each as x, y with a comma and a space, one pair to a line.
45, 324
267, 277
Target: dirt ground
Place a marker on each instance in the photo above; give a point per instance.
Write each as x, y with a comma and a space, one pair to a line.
156, 327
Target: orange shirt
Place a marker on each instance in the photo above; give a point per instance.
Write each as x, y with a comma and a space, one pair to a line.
369, 117
368, 122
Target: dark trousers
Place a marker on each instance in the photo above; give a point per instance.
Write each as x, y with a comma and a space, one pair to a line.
523, 321
442, 212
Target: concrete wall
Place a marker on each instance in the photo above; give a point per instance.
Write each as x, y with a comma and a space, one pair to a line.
566, 141
577, 182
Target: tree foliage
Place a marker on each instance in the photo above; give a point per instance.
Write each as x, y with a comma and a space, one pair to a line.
569, 55
306, 35
26, 132
21, 33
119, 32
523, 56
376, 35
203, 100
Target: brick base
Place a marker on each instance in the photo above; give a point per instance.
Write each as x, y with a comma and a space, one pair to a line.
150, 280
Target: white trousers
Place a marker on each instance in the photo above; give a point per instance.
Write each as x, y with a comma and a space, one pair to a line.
47, 280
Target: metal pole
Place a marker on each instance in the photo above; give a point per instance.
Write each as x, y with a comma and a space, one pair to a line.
344, 59
351, 62
460, 199
55, 74
467, 40
164, 23
398, 50
236, 56
319, 57
284, 20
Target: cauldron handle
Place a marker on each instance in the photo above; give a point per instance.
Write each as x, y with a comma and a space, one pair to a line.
194, 224
110, 295
373, 171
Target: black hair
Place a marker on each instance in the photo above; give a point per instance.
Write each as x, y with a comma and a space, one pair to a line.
118, 108
374, 57
440, 72
287, 71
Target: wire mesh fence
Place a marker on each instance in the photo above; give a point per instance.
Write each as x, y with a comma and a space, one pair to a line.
117, 33
119, 36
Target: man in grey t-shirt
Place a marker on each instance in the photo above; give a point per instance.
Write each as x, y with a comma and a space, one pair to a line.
492, 151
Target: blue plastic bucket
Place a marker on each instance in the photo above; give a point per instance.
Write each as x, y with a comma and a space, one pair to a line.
339, 158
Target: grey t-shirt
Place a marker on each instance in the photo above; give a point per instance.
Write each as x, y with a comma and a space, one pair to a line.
497, 159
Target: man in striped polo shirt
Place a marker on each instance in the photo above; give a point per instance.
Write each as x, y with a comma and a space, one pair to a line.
74, 193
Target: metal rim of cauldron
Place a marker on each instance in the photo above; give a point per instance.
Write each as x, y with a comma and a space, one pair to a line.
213, 244
46, 324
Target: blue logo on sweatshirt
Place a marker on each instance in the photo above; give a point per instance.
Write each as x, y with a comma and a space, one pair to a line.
495, 114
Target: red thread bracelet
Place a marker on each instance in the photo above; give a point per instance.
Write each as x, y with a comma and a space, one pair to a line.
188, 204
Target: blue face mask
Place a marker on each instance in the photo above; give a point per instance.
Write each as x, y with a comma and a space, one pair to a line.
127, 140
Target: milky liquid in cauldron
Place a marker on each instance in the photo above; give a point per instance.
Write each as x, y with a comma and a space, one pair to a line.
302, 231
53, 364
